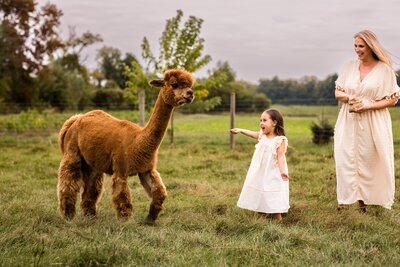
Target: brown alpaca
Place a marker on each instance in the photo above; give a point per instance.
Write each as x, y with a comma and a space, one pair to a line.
96, 143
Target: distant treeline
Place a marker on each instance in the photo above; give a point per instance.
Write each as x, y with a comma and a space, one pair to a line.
305, 91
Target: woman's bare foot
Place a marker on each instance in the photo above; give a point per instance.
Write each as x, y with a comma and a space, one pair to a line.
361, 206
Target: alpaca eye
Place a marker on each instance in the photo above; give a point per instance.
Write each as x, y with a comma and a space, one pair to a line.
174, 85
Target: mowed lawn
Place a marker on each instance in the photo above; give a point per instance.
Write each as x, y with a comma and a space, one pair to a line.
201, 225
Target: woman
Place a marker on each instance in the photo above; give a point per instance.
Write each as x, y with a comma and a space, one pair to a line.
363, 131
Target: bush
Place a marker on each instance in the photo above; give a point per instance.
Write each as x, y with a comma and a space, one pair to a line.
322, 132
111, 99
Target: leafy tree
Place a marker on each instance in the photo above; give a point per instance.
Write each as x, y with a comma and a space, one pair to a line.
213, 90
64, 83
75, 44
247, 99
137, 86
326, 91
22, 57
113, 66
71, 52
63, 88
29, 39
110, 98
180, 47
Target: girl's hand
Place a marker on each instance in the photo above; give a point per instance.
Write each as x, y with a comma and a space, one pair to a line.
285, 177
235, 130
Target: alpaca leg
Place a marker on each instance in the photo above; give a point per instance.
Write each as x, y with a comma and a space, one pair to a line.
69, 183
121, 196
152, 180
92, 190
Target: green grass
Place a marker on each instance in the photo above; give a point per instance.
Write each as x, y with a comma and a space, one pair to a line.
201, 225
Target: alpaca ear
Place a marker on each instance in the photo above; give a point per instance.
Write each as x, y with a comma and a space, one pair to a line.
157, 83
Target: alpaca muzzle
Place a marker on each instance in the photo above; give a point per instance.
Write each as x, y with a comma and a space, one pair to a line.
189, 96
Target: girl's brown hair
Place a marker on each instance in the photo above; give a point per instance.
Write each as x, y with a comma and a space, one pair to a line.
277, 116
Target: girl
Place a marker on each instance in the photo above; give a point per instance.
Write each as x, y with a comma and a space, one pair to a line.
266, 188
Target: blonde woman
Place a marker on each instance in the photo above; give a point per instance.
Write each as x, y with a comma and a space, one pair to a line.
363, 141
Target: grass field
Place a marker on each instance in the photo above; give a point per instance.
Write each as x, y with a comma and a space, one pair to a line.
201, 225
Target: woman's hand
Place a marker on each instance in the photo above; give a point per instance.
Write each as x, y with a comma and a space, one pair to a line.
285, 177
362, 105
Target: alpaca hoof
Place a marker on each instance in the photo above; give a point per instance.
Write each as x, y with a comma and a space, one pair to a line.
124, 214
149, 220
124, 211
90, 213
69, 212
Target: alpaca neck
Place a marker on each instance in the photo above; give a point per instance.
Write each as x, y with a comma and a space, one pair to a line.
155, 128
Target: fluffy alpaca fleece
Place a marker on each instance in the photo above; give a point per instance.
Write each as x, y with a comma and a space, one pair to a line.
96, 143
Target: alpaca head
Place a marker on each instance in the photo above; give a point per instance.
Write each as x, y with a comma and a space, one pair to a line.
176, 87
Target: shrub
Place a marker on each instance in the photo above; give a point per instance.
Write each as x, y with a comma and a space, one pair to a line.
110, 99
322, 132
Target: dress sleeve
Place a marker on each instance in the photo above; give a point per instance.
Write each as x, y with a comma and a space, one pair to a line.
390, 89
260, 134
339, 83
278, 142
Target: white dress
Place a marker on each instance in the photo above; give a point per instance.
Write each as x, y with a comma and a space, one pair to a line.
264, 190
363, 142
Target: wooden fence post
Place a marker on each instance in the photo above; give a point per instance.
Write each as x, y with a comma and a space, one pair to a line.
142, 97
171, 136
232, 111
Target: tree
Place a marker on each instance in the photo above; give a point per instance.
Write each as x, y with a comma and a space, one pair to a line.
29, 40
326, 90
113, 66
22, 56
64, 83
137, 85
224, 82
180, 47
63, 88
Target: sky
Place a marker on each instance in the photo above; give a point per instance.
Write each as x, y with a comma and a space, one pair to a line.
259, 39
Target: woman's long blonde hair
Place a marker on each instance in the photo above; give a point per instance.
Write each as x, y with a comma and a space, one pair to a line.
378, 52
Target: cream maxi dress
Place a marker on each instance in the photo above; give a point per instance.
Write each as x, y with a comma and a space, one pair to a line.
264, 190
363, 142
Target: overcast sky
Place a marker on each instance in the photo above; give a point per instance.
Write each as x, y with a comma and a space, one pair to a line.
259, 38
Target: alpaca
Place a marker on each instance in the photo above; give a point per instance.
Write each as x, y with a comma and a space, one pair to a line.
96, 143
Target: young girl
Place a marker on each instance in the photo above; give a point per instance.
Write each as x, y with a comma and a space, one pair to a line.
266, 188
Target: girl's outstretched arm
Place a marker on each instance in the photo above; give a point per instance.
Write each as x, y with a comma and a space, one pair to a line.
280, 151
245, 132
